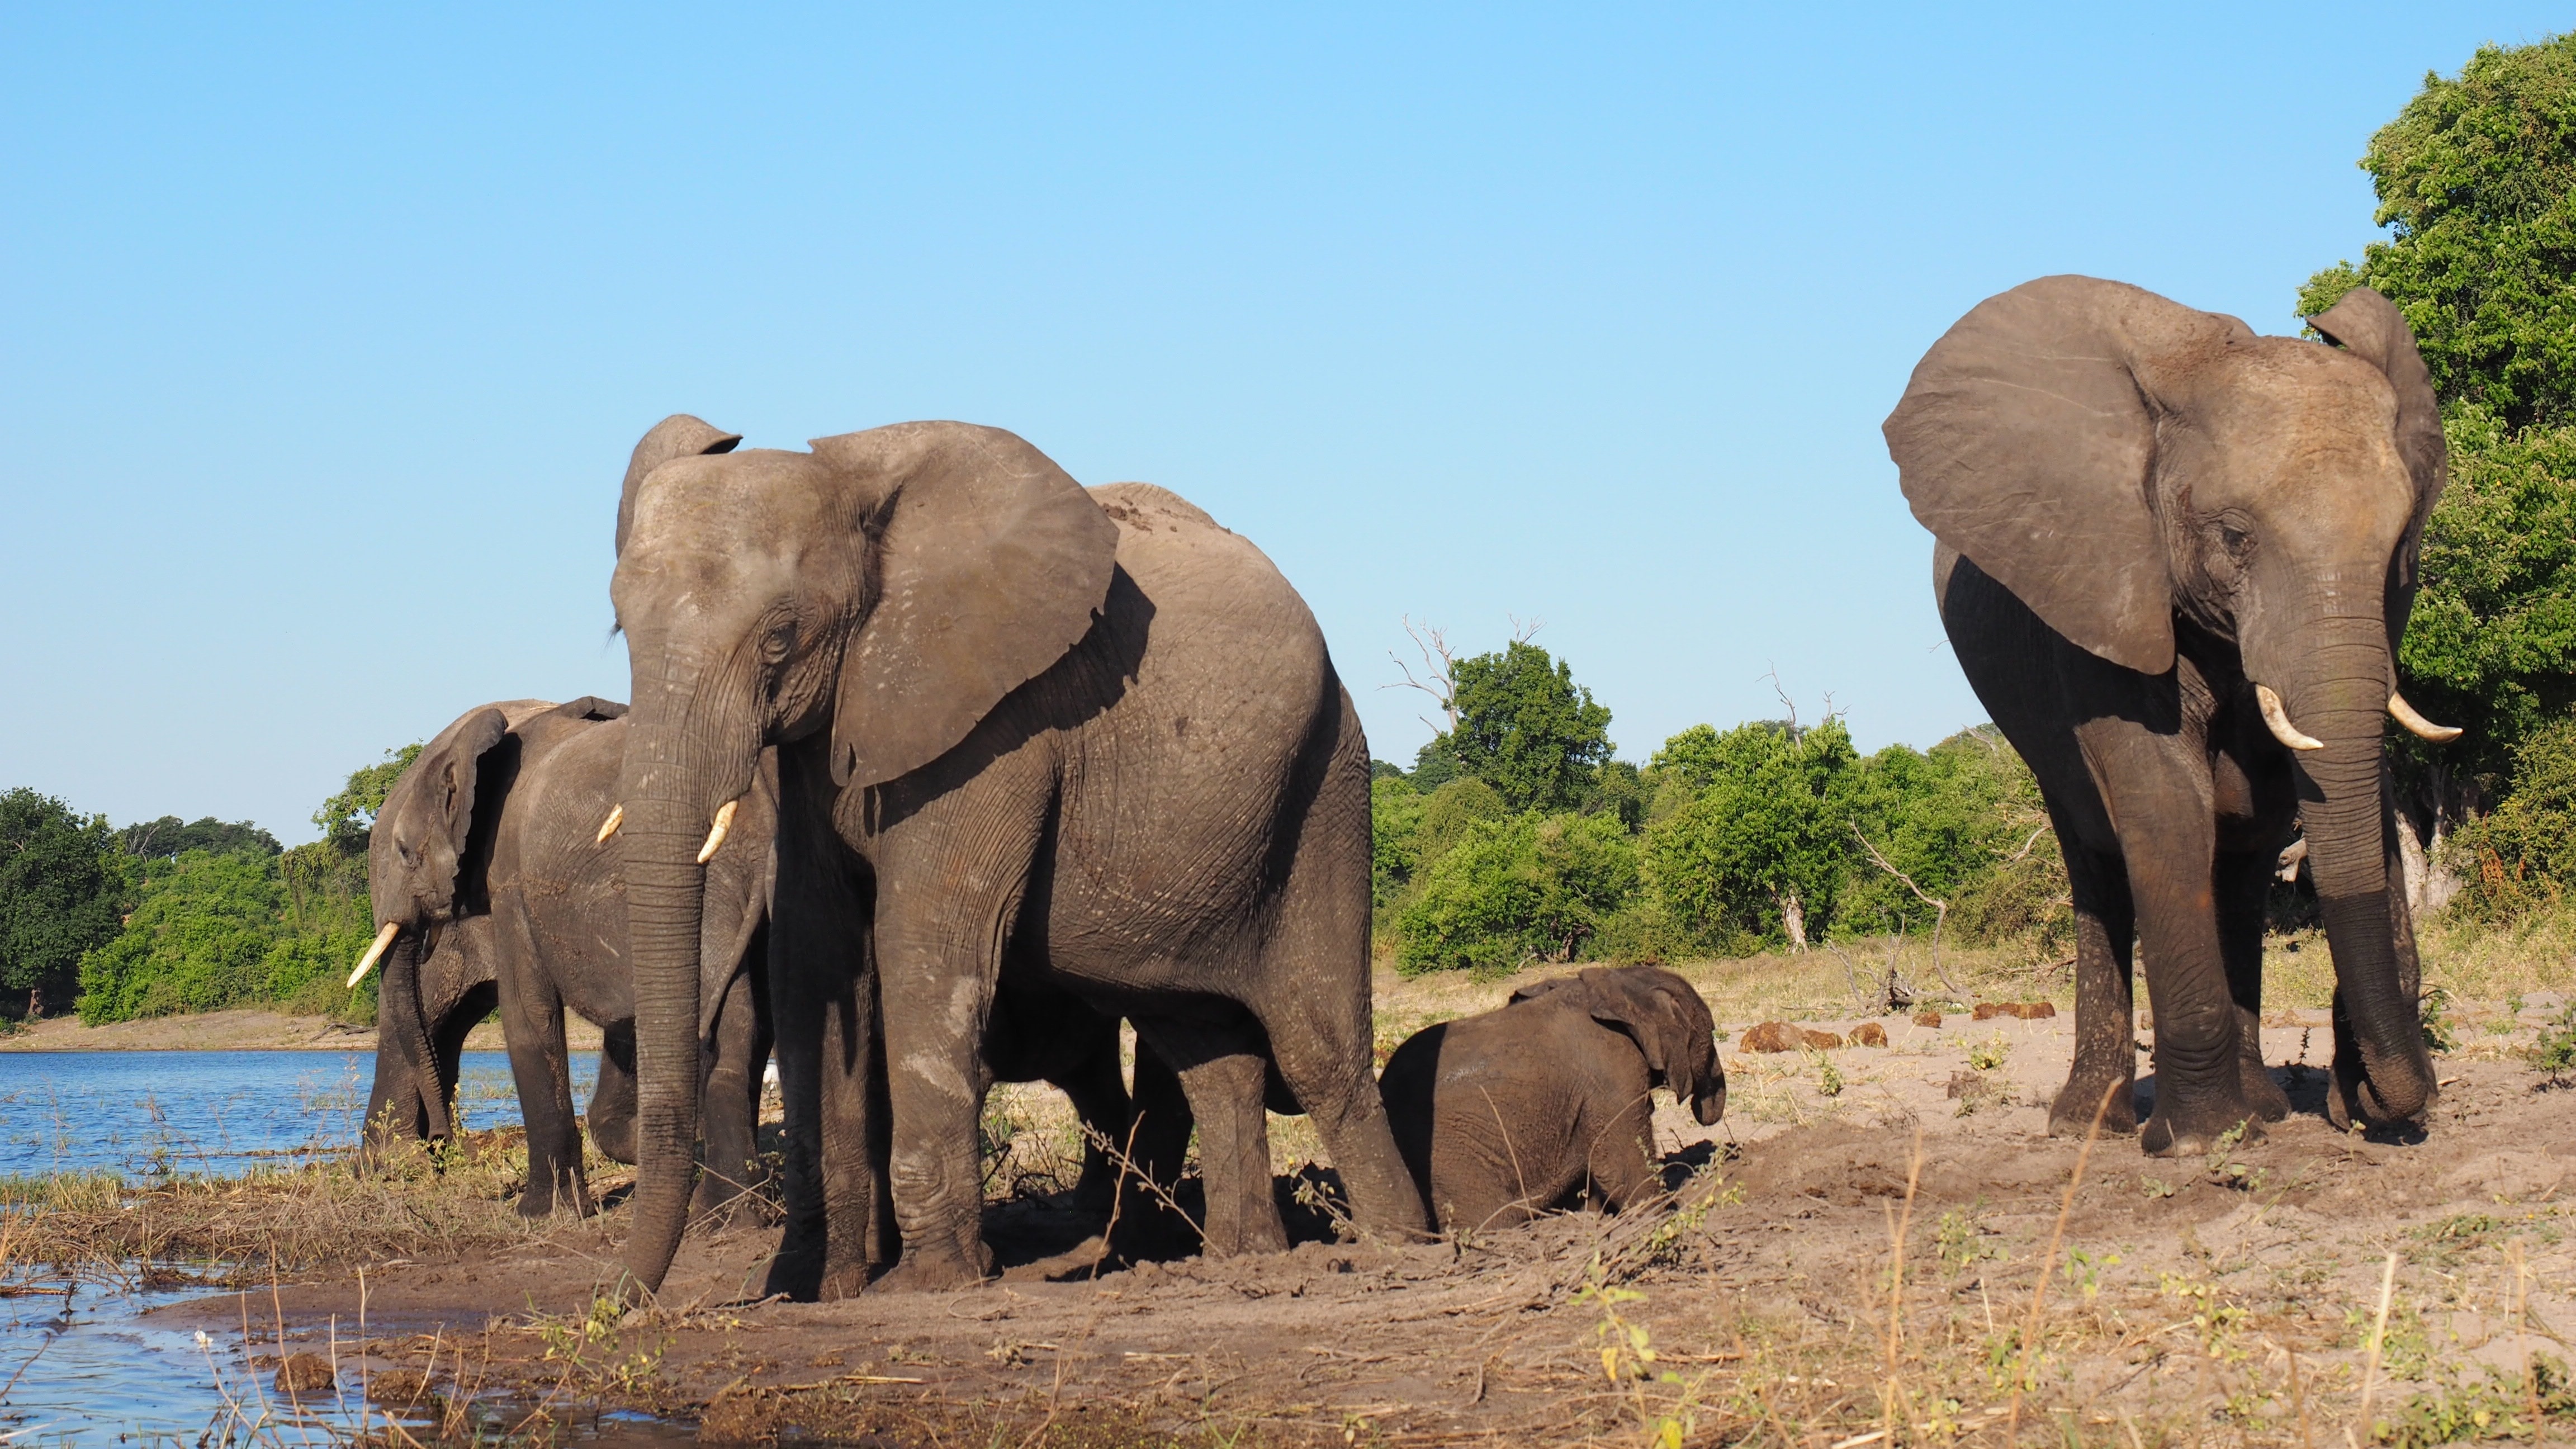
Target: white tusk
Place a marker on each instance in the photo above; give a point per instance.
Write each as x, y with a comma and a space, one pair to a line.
2417, 724
367, 963
608, 827
2278, 721
716, 833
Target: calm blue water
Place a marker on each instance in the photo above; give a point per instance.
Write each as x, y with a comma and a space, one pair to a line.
144, 1114
89, 1370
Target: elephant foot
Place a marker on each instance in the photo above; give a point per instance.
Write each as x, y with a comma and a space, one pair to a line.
843, 1283
2262, 1093
925, 1271
2184, 1132
2071, 1115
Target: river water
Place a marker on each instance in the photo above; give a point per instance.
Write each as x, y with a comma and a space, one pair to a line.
89, 1370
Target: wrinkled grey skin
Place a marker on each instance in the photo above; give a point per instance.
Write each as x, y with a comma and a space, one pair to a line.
486, 854
1025, 731
1503, 1116
2141, 513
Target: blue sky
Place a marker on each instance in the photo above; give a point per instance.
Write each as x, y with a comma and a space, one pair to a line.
327, 332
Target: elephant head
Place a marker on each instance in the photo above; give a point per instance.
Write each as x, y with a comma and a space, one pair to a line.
1665, 1018
2126, 466
889, 587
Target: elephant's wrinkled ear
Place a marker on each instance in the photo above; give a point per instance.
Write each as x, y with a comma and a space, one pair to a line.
2370, 327
591, 707
1537, 989
448, 767
992, 563
677, 436
2024, 441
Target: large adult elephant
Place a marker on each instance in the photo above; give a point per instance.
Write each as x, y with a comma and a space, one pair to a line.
491, 882
1024, 731
2174, 559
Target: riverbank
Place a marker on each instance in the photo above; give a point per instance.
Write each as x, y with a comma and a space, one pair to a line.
244, 1030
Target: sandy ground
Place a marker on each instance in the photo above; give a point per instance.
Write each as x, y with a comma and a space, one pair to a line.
238, 1031
2230, 1299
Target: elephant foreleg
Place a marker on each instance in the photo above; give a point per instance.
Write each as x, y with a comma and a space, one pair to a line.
2106, 1054
1159, 1140
1622, 1162
2241, 881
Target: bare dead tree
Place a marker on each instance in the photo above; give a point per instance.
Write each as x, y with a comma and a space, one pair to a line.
1524, 630
1785, 702
1895, 993
1940, 908
1432, 643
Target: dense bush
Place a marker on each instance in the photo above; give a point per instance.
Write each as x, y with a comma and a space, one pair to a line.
62, 888
2522, 854
1519, 888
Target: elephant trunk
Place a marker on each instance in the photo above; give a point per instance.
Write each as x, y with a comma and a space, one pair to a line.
2340, 698
409, 1099
677, 776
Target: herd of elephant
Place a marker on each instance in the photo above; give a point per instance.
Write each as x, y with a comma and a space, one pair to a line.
940, 766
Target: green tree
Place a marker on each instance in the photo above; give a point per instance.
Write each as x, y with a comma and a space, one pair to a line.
2476, 180
1447, 814
61, 893
1518, 888
2522, 854
1395, 818
1764, 847
1526, 728
168, 838
199, 940
346, 818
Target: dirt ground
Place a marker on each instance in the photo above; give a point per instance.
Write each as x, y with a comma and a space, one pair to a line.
240, 1031
2232, 1299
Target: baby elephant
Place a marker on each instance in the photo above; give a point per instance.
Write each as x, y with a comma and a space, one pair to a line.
1509, 1114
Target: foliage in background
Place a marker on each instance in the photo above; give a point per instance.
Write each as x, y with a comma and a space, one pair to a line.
2476, 183
1724, 842
62, 888
221, 917
2519, 856
1526, 728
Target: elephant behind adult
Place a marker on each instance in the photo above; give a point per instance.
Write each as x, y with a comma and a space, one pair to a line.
1025, 731
1507, 1114
491, 883
2175, 560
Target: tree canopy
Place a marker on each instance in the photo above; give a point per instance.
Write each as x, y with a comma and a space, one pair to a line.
1526, 728
61, 893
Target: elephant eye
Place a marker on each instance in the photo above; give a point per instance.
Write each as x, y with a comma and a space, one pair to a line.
781, 639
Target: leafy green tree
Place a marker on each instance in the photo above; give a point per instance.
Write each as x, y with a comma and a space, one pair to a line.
198, 941
1517, 888
1526, 728
168, 838
2476, 180
1395, 818
1765, 846
61, 893
346, 818
1447, 814
2522, 854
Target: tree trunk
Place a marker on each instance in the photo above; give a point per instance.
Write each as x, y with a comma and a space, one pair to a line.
1793, 920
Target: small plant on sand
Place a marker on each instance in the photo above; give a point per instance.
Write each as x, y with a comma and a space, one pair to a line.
2218, 1323
2226, 1169
2441, 1033
592, 1344
1962, 1238
1628, 1361
1829, 1078
1989, 1054
2084, 1272
2555, 1051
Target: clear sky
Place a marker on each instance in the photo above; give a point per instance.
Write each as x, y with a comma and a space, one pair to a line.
324, 334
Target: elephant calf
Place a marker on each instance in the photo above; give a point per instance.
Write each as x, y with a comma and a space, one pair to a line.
1503, 1116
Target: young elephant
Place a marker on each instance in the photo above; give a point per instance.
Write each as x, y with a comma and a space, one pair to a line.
1506, 1115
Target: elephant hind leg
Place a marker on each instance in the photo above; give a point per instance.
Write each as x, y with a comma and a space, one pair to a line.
2106, 1055
2241, 881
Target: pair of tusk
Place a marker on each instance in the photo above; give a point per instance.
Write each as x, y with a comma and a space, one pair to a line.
367, 963
2416, 724
715, 834
2277, 720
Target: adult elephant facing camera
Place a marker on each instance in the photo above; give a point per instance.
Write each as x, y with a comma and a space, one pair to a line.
2175, 560
1087, 739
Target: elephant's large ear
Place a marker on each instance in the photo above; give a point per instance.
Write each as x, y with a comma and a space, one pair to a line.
677, 436
447, 770
1536, 989
2024, 441
992, 565
2370, 327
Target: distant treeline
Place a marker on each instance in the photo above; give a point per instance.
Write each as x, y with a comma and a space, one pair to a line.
168, 916
1517, 836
